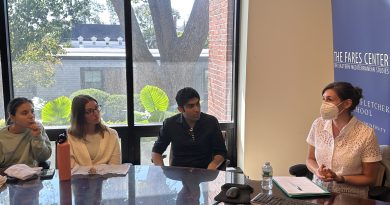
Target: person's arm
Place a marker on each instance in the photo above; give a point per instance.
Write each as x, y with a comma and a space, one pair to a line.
160, 145
371, 156
73, 162
217, 161
72, 144
157, 159
312, 164
40, 143
218, 148
72, 158
116, 157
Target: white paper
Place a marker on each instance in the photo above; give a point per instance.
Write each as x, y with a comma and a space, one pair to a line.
298, 185
102, 169
22, 171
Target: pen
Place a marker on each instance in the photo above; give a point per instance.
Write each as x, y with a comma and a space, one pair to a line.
299, 188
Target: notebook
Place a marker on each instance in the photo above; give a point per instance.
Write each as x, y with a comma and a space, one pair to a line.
296, 187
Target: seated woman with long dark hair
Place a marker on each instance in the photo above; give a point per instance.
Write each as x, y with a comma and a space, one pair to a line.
23, 140
91, 142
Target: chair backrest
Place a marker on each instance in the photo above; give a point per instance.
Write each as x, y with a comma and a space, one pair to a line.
381, 189
224, 135
380, 175
226, 163
300, 170
384, 171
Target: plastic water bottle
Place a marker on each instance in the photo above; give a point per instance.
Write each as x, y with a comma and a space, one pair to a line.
266, 183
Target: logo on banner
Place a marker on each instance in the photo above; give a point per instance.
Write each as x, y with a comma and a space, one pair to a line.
365, 62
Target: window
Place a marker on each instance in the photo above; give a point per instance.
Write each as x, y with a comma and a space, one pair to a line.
175, 44
91, 79
177, 50
60, 58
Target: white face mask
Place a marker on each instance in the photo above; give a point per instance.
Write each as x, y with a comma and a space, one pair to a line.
329, 111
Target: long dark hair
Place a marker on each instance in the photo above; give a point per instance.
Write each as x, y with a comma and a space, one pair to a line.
77, 118
344, 91
13, 106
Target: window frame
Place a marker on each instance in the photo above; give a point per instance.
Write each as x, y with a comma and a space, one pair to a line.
130, 134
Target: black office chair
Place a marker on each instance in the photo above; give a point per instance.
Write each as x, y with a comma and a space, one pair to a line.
300, 170
381, 191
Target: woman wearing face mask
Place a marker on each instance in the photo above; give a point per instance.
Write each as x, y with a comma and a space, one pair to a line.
343, 152
91, 142
23, 140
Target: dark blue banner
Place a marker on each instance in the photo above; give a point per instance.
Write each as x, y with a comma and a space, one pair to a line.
361, 51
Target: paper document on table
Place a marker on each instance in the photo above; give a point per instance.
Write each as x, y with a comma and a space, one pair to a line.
101, 169
299, 186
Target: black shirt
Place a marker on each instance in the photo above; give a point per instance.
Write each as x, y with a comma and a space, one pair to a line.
195, 149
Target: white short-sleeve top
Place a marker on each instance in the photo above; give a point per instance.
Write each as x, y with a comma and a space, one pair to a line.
345, 153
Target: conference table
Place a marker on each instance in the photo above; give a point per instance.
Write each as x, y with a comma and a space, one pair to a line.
144, 184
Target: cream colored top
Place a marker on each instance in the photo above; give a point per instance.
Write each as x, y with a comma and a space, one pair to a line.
108, 152
345, 153
93, 143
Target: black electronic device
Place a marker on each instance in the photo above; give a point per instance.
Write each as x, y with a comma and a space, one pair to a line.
265, 199
47, 174
232, 192
12, 180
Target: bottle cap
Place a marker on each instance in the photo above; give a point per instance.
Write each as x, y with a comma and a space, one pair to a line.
61, 138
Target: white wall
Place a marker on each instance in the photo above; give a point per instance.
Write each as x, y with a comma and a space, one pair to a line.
285, 61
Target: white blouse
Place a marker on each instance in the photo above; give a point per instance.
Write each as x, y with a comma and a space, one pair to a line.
345, 153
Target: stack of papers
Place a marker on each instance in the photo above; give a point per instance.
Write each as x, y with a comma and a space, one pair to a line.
299, 186
102, 169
